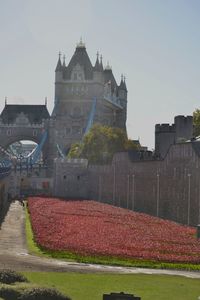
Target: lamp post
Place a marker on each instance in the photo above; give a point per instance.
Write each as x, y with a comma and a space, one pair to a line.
133, 191
158, 195
189, 199
114, 182
100, 188
128, 184
199, 206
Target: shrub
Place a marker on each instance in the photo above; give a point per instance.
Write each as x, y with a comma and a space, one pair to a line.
10, 276
8, 293
42, 294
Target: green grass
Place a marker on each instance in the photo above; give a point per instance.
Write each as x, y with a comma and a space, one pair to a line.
93, 286
33, 248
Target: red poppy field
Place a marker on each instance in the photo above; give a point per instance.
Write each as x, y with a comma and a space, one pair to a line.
90, 228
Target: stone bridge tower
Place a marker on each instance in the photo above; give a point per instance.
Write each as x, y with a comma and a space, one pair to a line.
84, 94
23, 122
77, 86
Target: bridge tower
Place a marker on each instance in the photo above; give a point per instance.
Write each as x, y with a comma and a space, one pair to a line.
76, 86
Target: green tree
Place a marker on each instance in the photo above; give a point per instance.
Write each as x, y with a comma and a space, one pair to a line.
100, 144
196, 122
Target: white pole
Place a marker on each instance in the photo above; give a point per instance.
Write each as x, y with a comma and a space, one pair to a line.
199, 206
100, 188
189, 190
133, 192
158, 195
114, 183
127, 190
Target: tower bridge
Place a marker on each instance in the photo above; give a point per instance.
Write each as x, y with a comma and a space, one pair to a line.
166, 185
23, 122
84, 94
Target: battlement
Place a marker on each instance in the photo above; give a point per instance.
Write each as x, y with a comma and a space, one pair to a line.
182, 118
164, 128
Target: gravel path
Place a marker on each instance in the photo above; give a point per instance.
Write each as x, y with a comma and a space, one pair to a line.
14, 254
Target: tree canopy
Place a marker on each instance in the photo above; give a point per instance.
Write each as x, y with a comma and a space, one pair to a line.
100, 144
196, 122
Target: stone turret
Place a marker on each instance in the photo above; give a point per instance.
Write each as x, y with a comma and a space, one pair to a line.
184, 128
167, 135
122, 91
98, 72
58, 70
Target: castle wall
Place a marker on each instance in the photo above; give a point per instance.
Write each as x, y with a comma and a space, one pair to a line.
4, 203
167, 188
164, 137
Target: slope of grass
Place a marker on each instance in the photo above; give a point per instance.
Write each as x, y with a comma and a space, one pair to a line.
93, 286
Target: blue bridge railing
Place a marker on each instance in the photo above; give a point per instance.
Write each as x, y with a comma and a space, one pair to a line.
5, 167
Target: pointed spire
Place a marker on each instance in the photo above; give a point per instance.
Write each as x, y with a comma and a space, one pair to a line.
80, 44
125, 84
64, 61
45, 101
101, 63
97, 64
122, 81
59, 64
108, 67
5, 100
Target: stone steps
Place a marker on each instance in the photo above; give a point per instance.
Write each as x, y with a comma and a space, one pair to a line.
12, 232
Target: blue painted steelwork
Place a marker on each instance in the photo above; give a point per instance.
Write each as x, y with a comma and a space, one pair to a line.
91, 116
60, 151
113, 100
5, 168
33, 157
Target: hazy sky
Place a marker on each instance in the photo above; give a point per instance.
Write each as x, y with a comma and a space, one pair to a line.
155, 43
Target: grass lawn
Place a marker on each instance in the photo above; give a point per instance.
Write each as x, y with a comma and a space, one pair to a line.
93, 286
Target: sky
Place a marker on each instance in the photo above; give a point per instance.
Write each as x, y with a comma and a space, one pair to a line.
154, 43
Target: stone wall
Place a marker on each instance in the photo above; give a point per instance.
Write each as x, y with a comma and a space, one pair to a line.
4, 203
168, 188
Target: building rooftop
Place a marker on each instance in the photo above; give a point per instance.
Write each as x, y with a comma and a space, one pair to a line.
34, 113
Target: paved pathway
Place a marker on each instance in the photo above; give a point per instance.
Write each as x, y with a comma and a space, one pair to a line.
12, 233
14, 255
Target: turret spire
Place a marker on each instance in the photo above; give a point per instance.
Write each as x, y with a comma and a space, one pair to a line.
64, 61
97, 64
80, 44
125, 84
108, 67
59, 64
101, 62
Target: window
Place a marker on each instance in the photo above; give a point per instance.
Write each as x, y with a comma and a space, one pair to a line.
68, 130
9, 132
75, 76
76, 130
76, 112
34, 132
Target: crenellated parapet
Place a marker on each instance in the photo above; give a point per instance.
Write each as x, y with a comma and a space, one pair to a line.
167, 135
164, 128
